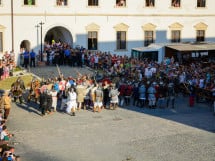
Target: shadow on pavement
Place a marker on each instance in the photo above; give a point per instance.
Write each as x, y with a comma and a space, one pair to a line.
200, 116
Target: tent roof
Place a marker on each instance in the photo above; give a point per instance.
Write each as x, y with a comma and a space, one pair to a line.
192, 46
152, 47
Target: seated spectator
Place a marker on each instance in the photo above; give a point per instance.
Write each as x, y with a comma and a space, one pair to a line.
9, 155
1, 126
5, 135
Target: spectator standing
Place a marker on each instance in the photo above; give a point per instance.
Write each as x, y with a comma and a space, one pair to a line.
71, 101
98, 98
106, 98
43, 102
114, 97
6, 104
1, 70
142, 94
54, 98
26, 58
191, 94
151, 95
135, 94
67, 54
81, 91
170, 95
32, 58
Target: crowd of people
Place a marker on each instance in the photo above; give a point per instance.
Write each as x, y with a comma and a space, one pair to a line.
120, 81
7, 151
7, 64
146, 82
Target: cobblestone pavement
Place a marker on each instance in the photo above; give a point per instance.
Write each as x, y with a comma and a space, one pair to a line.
125, 134
52, 71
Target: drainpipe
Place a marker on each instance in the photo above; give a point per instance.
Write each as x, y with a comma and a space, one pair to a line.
12, 30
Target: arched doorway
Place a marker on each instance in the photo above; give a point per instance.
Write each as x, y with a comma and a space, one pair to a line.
25, 45
59, 33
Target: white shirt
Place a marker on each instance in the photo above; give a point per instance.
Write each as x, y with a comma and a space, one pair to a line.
96, 59
3, 134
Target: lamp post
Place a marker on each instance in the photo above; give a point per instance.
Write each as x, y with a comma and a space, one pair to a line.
41, 34
37, 26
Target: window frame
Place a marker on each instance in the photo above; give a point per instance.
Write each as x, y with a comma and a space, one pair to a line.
94, 3
201, 6
93, 39
60, 5
175, 3
26, 3
119, 42
119, 4
200, 35
148, 39
148, 3
174, 38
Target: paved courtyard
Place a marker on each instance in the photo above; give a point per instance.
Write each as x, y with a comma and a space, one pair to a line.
125, 134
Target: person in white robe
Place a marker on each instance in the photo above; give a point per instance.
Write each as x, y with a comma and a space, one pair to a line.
71, 101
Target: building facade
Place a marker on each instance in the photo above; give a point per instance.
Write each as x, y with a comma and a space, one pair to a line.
105, 25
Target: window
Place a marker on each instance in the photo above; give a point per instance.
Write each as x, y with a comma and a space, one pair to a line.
92, 40
93, 3
201, 3
120, 3
176, 34
150, 3
148, 38
176, 3
29, 2
1, 41
200, 35
61, 2
121, 40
